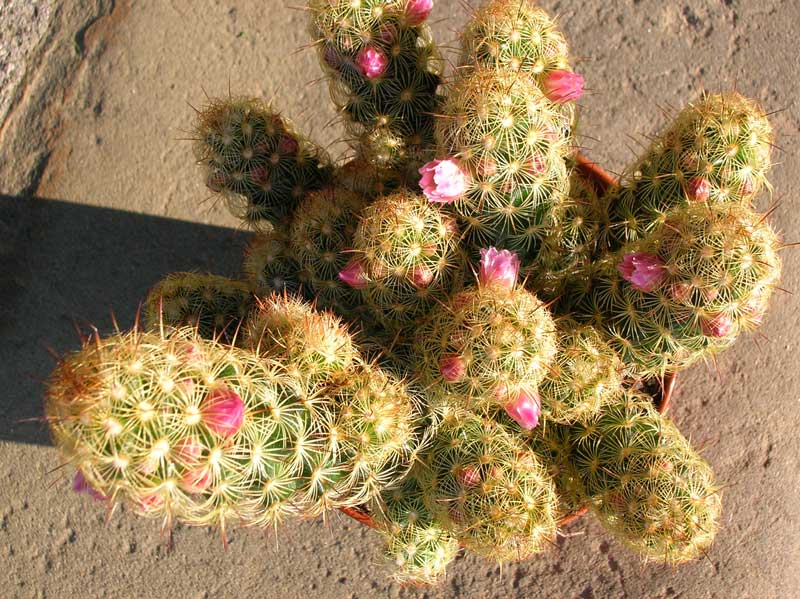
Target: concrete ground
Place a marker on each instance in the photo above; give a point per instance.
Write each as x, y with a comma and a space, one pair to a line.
99, 198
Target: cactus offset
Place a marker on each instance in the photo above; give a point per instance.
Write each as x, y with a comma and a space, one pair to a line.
716, 151
252, 156
384, 73
487, 489
644, 481
410, 256
688, 289
214, 305
269, 265
512, 142
416, 544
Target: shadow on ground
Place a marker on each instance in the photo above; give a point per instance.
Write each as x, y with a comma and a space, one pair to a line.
63, 264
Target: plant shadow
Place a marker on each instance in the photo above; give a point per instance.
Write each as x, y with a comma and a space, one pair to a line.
64, 264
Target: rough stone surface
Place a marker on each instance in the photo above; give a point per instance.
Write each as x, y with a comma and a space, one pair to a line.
95, 127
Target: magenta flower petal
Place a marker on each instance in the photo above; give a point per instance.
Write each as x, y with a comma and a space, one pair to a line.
452, 368
525, 409
371, 62
222, 411
644, 271
353, 274
443, 181
417, 11
563, 86
499, 268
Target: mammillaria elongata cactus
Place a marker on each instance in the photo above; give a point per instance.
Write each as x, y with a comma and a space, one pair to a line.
507, 404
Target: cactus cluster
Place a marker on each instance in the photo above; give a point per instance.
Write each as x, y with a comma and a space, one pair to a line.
448, 331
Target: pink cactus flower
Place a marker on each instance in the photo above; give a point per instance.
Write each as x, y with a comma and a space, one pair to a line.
371, 62
452, 368
698, 189
222, 411
563, 86
499, 269
417, 11
81, 485
717, 326
354, 275
525, 409
469, 476
196, 480
443, 181
421, 276
643, 270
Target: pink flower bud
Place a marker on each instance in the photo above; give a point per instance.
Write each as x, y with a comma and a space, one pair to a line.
196, 480
421, 276
443, 181
487, 167
563, 86
222, 411
150, 503
331, 57
371, 62
680, 292
417, 11
525, 409
499, 269
720, 325
287, 144
698, 189
643, 270
452, 368
469, 476
81, 485
188, 451
259, 174
216, 181
535, 165
353, 274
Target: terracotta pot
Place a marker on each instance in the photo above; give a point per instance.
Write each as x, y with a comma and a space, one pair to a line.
660, 389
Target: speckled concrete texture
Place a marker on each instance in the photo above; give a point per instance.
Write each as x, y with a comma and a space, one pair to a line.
99, 198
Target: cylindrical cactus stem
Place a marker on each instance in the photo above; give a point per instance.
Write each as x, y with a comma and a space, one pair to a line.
417, 546
561, 270
366, 180
377, 431
408, 251
313, 345
216, 306
490, 345
518, 36
645, 482
585, 375
384, 74
717, 151
268, 263
254, 158
487, 489
321, 240
688, 289
187, 429
510, 145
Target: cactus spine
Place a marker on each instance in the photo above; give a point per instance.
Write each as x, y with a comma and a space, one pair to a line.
269, 265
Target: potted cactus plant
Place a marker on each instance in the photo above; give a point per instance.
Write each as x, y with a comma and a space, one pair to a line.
451, 335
